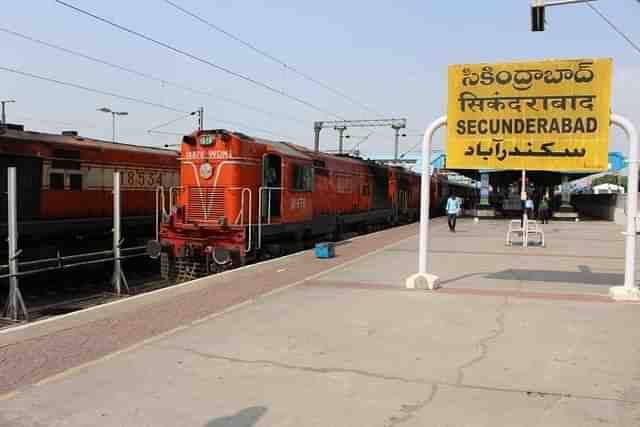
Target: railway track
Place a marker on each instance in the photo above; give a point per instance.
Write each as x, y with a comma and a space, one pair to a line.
61, 292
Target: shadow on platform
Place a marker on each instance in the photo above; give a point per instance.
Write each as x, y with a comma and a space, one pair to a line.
247, 417
577, 277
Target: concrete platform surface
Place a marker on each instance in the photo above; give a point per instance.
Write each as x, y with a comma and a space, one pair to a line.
516, 337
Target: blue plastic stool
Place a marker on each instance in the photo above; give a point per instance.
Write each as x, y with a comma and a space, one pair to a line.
325, 250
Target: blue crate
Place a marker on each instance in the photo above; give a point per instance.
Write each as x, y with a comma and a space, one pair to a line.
325, 250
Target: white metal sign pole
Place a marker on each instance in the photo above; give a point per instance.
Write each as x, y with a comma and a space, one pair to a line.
629, 291
422, 279
117, 267
119, 279
15, 302
525, 217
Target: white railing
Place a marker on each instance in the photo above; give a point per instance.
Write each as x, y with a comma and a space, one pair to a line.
401, 203
240, 217
171, 198
269, 190
160, 202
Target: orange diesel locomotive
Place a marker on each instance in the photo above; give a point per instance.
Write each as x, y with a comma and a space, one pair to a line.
243, 198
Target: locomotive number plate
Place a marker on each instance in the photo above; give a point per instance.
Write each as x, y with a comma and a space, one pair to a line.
211, 155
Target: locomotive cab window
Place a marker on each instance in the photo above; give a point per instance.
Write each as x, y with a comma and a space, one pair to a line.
302, 178
56, 181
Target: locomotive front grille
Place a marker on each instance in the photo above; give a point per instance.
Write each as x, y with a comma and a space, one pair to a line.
206, 204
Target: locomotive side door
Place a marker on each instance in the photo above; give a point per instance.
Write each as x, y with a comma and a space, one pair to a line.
272, 187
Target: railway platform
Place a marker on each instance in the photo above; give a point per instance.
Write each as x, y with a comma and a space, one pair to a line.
515, 337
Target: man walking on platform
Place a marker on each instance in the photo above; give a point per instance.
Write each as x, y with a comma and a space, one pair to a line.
453, 207
544, 210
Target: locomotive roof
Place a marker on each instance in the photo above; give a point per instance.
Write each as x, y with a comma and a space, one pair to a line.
294, 150
284, 147
299, 151
79, 141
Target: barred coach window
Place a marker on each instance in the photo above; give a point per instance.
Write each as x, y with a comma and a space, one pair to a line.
302, 178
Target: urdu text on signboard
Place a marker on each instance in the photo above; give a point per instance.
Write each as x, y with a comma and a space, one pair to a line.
546, 115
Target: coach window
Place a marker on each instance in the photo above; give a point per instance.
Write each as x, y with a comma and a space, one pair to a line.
56, 181
302, 178
75, 182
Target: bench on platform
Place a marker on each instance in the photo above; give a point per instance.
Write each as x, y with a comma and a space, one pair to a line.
533, 227
516, 229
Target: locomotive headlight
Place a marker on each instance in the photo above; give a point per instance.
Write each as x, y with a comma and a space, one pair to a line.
206, 170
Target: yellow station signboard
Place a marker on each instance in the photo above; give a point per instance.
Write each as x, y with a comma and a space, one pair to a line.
547, 115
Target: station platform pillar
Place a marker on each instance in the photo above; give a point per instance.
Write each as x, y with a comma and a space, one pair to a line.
566, 210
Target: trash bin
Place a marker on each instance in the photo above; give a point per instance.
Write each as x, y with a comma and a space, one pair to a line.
325, 250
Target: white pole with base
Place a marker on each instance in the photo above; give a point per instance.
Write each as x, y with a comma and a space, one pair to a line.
422, 279
525, 217
629, 291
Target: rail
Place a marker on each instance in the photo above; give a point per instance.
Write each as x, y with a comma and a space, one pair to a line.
240, 216
61, 266
72, 257
171, 199
400, 203
261, 190
160, 200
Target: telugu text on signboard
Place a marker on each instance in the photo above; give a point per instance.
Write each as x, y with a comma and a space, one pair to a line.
547, 115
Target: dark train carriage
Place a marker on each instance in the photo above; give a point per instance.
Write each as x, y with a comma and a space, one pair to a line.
65, 183
28, 179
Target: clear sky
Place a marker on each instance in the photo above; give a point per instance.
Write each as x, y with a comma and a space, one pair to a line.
390, 56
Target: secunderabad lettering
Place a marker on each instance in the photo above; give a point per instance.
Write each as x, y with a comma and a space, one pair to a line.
560, 125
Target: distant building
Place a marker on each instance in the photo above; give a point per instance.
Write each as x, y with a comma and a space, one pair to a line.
608, 189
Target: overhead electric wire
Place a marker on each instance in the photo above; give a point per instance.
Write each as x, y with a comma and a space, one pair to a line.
162, 132
263, 130
123, 97
199, 59
614, 27
171, 122
152, 77
89, 89
362, 139
272, 57
413, 147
